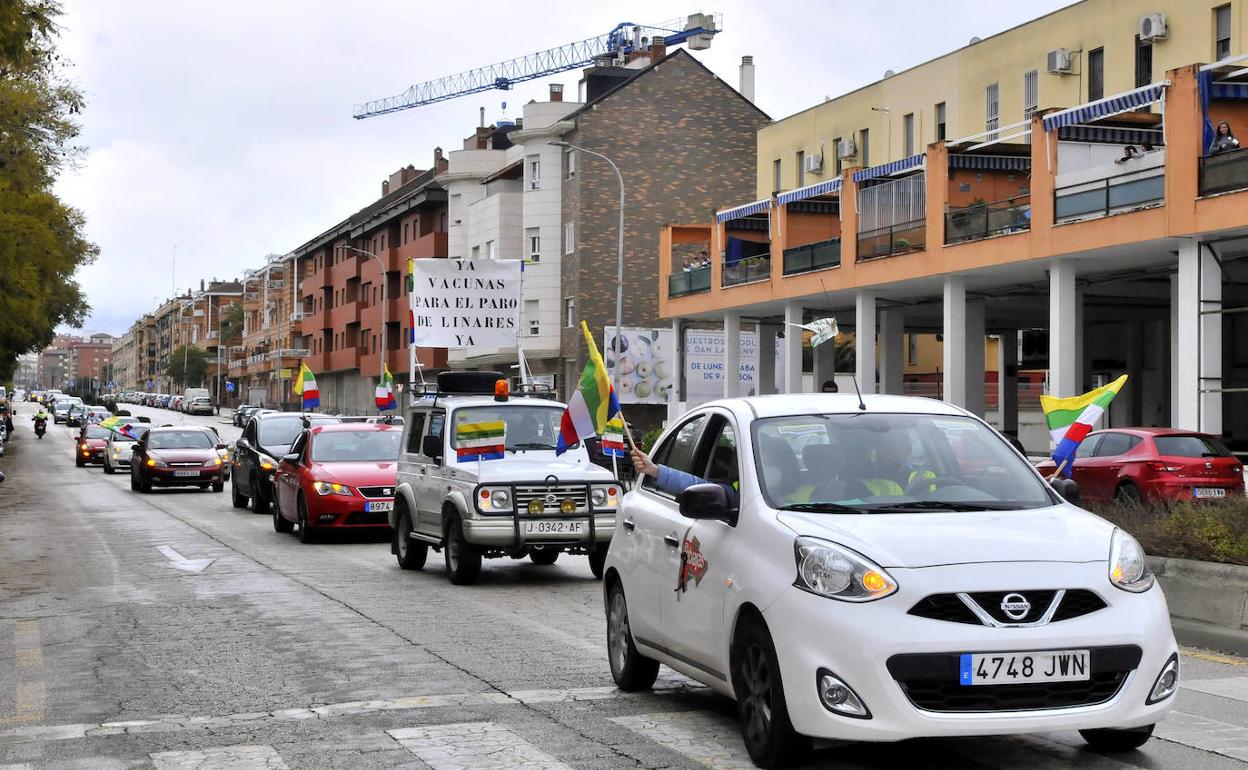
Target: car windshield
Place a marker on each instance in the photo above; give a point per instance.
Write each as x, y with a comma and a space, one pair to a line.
281, 431
179, 439
527, 427
1190, 446
357, 446
97, 432
132, 433
889, 463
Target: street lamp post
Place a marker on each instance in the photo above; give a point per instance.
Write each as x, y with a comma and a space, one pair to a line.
381, 372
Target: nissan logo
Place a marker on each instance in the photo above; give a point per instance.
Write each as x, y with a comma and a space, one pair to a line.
1015, 606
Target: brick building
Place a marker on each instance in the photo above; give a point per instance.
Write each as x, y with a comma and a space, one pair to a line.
263, 363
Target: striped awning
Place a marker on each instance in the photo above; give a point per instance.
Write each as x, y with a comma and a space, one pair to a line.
990, 162
888, 169
743, 211
1110, 105
1112, 135
809, 191
1228, 90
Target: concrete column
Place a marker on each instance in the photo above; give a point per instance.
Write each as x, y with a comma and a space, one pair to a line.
1007, 382
732, 354
892, 350
765, 377
1174, 350
954, 347
793, 313
975, 358
864, 340
824, 364
676, 401
1199, 361
1063, 330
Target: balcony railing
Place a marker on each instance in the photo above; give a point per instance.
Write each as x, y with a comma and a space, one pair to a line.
276, 283
1111, 188
1224, 172
883, 241
288, 353
299, 315
984, 219
689, 282
812, 256
747, 270
251, 296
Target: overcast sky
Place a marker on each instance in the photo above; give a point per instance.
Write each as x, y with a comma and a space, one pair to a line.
224, 128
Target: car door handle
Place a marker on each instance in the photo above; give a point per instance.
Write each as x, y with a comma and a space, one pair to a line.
629, 525
671, 540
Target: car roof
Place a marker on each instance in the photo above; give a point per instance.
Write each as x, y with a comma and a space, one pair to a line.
172, 428
1154, 431
273, 414
355, 427
458, 401
786, 404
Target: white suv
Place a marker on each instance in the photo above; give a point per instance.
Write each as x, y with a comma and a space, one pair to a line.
529, 503
879, 571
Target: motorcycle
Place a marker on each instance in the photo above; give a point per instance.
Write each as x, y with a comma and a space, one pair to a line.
41, 426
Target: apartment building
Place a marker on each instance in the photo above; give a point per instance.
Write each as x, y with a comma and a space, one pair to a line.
27, 373
1052, 186
353, 289
263, 363
134, 355
53, 368
90, 363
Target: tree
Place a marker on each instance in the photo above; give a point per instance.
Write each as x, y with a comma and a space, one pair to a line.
232, 324
196, 366
41, 239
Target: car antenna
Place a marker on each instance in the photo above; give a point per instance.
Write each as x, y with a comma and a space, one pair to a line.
861, 404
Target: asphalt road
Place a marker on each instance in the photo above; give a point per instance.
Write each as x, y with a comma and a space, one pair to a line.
173, 631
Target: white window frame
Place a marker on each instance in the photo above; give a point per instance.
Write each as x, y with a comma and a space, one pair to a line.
1031, 96
907, 133
1230, 38
535, 172
535, 244
570, 162
569, 238
992, 110
940, 129
569, 312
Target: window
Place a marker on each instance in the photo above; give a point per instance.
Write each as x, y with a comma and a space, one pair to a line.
569, 312
1087, 447
1031, 93
530, 315
836, 150
489, 250
416, 419
775, 175
801, 168
677, 451
535, 244
864, 147
1096, 74
912, 349
406, 225
383, 241
569, 162
721, 463
1143, 63
476, 252
569, 238
1221, 32
535, 173
1115, 444
992, 98
907, 133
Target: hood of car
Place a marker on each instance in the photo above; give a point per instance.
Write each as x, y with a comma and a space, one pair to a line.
535, 466
1060, 533
357, 474
184, 455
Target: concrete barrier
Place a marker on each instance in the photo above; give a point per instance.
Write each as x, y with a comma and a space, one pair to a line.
1208, 602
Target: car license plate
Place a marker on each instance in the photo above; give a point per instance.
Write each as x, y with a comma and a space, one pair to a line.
554, 528
186, 474
1208, 492
1025, 667
380, 506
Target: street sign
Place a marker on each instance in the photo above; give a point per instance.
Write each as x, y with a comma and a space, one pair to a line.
229, 387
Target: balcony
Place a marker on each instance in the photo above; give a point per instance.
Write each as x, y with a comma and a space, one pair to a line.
346, 358
894, 239
275, 355
748, 270
1111, 188
1224, 172
689, 282
346, 313
812, 256
983, 220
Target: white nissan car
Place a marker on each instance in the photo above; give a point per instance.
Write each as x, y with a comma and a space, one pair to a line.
877, 571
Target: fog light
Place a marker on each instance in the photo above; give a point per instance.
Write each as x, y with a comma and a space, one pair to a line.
1167, 681
838, 697
567, 506
536, 507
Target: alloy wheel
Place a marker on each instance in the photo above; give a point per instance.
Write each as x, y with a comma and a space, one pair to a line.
757, 675
617, 632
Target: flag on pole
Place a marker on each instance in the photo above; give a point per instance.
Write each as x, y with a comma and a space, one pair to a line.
385, 391
411, 299
480, 440
593, 403
1071, 419
305, 385
613, 437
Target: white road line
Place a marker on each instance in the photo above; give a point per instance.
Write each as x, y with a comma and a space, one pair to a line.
474, 746
178, 561
1205, 734
1233, 687
711, 739
221, 758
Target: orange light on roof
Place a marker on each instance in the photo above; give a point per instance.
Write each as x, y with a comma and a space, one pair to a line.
501, 390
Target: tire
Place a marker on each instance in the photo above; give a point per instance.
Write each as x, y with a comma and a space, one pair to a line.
544, 557
463, 559
281, 523
79, 462
218, 486
765, 725
1114, 741
145, 485
203, 487
631, 670
134, 481
108, 467
597, 560
1128, 494
411, 555
306, 534
236, 499
259, 503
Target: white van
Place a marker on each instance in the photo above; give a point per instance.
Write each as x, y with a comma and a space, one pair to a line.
190, 394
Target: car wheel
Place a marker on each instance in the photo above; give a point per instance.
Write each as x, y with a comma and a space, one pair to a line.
134, 480
544, 557
597, 559
463, 560
410, 554
1128, 494
306, 534
218, 485
259, 503
631, 670
79, 462
145, 484
108, 467
236, 499
1110, 740
765, 725
203, 487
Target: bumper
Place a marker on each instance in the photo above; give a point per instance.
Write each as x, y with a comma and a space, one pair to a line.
500, 532
164, 477
856, 642
92, 455
336, 512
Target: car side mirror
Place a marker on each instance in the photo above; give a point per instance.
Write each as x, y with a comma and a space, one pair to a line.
1067, 488
705, 501
292, 458
242, 443
223, 446
431, 446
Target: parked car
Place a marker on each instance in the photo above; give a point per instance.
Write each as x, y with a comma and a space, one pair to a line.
241, 412
169, 456
1135, 465
89, 444
266, 439
199, 405
337, 477
119, 446
871, 587
175, 403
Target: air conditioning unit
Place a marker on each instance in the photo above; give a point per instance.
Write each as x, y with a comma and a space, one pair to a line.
1060, 62
813, 164
846, 148
1153, 27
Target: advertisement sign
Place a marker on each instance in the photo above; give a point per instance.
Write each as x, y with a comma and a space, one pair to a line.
462, 303
704, 364
641, 371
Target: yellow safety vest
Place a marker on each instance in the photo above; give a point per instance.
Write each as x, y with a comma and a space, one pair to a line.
882, 487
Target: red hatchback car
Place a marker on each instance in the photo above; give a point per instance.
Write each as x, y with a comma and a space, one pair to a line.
89, 445
177, 457
1132, 465
337, 477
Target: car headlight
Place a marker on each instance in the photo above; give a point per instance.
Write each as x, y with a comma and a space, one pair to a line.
1128, 569
331, 488
153, 462
494, 499
214, 462
834, 571
265, 465
604, 496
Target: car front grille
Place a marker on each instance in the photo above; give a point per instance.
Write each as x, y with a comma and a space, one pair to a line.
377, 492
358, 518
931, 683
552, 496
1072, 603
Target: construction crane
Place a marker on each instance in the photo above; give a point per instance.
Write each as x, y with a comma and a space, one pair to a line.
696, 30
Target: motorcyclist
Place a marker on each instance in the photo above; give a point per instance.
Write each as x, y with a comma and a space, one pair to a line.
41, 422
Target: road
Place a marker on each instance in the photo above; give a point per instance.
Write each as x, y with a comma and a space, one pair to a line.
173, 631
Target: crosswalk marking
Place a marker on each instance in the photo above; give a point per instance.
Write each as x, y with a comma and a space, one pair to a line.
710, 739
1205, 734
474, 746
1233, 687
221, 758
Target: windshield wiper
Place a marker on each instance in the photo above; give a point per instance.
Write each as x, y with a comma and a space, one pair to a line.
938, 505
821, 508
530, 445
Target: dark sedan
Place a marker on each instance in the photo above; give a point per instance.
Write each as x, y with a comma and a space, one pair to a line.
177, 457
265, 441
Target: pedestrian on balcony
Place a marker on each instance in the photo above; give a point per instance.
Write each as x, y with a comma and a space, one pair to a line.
686, 264
1223, 140
705, 260
1130, 152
